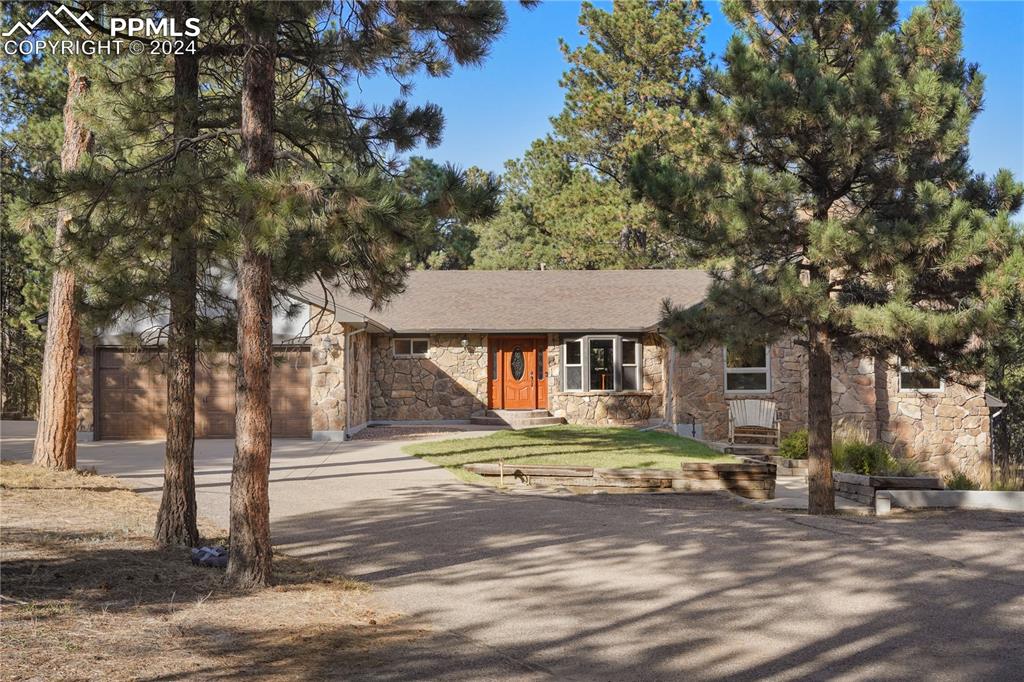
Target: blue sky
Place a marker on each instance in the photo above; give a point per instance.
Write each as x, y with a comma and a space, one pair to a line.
495, 111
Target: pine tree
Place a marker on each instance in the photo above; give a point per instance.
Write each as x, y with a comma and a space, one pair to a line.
56, 434
456, 198
33, 91
841, 208
176, 518
312, 159
629, 87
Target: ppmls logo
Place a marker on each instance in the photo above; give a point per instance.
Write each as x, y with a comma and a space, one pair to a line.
162, 36
79, 20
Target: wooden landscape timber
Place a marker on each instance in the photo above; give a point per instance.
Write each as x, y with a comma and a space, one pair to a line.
750, 479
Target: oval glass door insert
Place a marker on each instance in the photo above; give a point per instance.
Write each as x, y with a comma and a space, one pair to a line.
517, 363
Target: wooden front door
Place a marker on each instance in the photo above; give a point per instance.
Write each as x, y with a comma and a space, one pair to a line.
518, 373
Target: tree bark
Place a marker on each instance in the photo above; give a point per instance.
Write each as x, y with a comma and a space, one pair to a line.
249, 563
55, 446
821, 496
176, 519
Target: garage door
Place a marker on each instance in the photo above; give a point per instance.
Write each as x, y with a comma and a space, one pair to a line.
132, 394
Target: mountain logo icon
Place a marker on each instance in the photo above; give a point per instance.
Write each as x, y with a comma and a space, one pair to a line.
62, 11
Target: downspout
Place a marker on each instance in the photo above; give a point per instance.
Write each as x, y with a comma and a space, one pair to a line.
346, 359
992, 436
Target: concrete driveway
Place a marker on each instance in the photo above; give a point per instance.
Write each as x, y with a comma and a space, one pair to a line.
684, 587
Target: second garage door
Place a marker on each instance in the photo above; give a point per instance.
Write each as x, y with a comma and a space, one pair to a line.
131, 394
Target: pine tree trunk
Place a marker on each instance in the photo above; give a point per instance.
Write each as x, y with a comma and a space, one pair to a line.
176, 519
55, 445
249, 563
821, 497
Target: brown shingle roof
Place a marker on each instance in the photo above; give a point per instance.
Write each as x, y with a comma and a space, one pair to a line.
526, 301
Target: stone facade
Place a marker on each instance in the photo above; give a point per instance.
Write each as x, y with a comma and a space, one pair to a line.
86, 358
943, 431
699, 389
624, 408
449, 383
340, 376
327, 398
356, 379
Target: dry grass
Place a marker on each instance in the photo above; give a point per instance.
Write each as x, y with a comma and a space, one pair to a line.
85, 595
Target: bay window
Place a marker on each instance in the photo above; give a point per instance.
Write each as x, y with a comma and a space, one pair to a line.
602, 363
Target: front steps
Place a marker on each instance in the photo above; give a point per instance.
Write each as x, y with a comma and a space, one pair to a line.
516, 419
752, 450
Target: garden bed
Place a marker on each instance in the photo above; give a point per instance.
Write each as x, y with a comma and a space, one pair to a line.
754, 480
862, 488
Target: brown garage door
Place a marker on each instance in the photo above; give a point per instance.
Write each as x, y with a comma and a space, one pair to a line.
132, 394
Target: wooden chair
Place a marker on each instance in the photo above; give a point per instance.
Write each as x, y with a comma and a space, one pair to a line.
757, 419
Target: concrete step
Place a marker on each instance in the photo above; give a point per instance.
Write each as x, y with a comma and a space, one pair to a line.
530, 422
751, 450
517, 419
517, 414
481, 420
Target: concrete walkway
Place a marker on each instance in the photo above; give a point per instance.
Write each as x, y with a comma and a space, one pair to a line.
689, 587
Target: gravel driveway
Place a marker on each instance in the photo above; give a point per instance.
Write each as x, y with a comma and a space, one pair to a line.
528, 585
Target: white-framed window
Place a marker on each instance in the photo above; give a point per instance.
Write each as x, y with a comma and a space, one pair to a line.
601, 363
572, 365
630, 361
920, 379
411, 348
747, 369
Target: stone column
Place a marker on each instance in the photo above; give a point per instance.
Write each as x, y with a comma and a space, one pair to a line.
86, 412
327, 393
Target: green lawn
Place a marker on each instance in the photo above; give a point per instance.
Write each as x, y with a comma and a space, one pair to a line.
612, 448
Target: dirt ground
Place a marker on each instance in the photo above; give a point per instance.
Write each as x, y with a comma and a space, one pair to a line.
85, 595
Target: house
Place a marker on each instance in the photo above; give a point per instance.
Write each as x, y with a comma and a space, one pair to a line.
583, 346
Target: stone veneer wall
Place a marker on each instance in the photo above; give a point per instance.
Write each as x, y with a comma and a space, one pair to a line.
944, 432
699, 389
612, 409
450, 383
327, 394
86, 412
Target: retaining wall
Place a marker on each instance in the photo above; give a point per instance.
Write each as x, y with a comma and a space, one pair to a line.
754, 480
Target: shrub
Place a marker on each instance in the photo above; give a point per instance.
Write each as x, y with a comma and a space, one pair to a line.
859, 458
794, 446
960, 481
1012, 482
852, 452
871, 459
